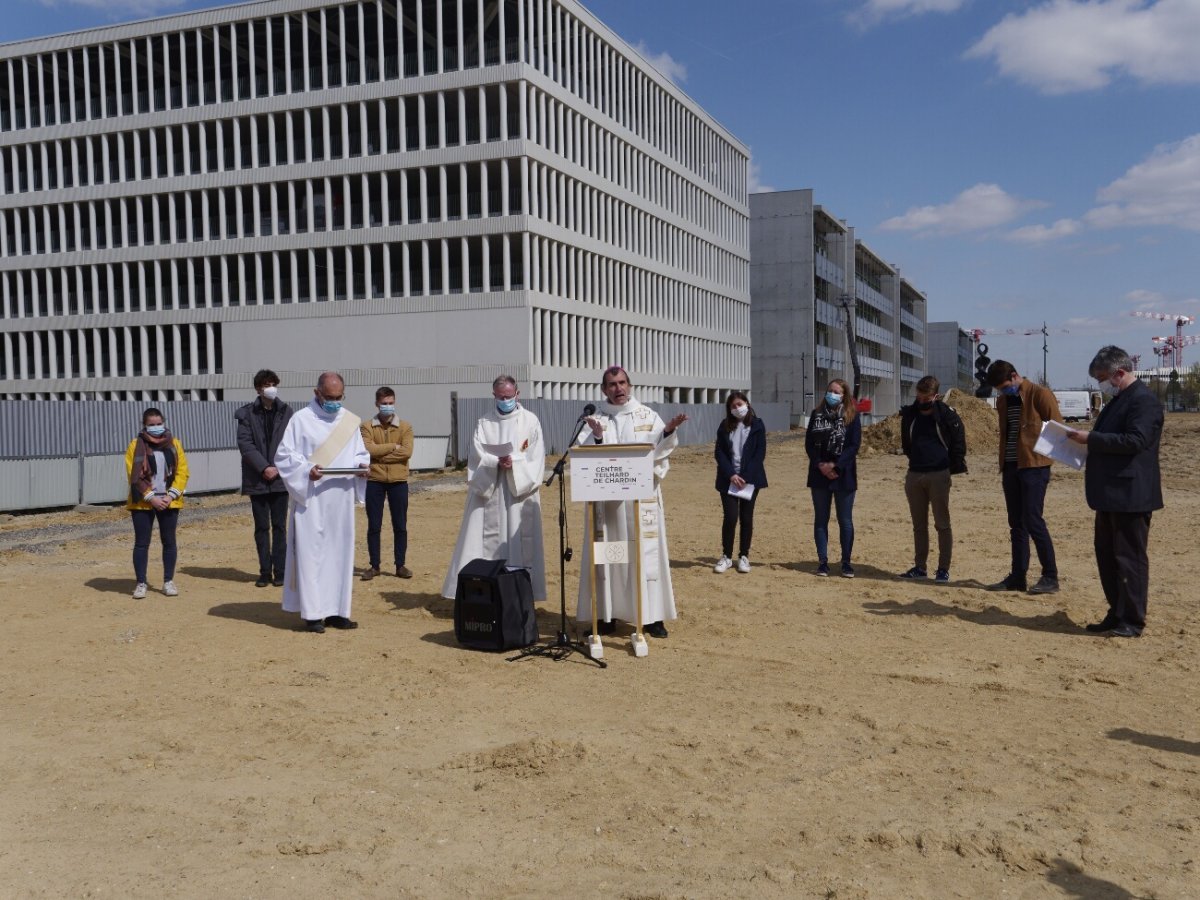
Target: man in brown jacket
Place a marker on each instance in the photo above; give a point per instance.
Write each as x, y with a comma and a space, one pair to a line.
1023, 406
389, 440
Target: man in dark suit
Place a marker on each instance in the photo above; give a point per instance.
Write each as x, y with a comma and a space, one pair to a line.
1123, 485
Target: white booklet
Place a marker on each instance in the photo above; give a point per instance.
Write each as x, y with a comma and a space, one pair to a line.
499, 450
1055, 443
746, 492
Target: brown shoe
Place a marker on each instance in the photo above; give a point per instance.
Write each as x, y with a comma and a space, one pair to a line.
369, 574
403, 572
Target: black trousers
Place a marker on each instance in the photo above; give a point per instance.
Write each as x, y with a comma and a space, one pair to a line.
737, 511
396, 495
1025, 496
270, 532
1124, 564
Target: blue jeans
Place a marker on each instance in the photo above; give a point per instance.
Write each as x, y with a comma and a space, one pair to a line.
823, 500
1025, 496
143, 528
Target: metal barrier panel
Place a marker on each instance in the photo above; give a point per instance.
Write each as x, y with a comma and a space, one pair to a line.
37, 483
429, 452
558, 418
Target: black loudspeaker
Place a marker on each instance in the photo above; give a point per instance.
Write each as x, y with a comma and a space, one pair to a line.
493, 606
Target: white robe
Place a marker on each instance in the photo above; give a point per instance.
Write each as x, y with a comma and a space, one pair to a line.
503, 515
320, 538
616, 591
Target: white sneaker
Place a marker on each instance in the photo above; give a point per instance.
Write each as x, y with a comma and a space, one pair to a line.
139, 592
743, 564
169, 589
722, 565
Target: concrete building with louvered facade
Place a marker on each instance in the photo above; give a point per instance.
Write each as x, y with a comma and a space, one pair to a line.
809, 273
422, 193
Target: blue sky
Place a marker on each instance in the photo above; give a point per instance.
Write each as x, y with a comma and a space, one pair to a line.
1020, 161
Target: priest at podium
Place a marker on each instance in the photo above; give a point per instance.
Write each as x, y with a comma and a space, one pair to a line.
623, 420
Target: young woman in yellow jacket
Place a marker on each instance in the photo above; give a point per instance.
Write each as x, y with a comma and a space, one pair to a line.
158, 476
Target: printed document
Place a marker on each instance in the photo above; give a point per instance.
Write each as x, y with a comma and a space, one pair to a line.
1055, 443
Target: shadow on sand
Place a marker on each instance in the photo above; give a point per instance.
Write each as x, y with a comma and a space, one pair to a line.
1057, 622
259, 612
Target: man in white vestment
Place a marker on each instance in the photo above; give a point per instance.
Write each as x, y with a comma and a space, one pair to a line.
623, 420
503, 515
320, 557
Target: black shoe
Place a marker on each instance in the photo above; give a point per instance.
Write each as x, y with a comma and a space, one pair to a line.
1045, 585
915, 572
372, 572
277, 582
340, 622
656, 629
605, 628
403, 572
263, 581
1010, 583
1108, 623
316, 626
1128, 631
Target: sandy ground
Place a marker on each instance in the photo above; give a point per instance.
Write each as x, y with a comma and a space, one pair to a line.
794, 737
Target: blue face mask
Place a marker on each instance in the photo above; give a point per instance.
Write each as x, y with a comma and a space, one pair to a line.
833, 399
156, 430
506, 405
387, 409
1011, 390
331, 406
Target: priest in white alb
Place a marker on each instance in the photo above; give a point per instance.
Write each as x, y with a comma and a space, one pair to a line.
623, 420
320, 552
503, 515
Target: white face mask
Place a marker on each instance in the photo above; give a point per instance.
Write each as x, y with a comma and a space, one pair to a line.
1108, 389
270, 392
740, 411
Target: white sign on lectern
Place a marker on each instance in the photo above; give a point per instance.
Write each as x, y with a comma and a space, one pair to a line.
602, 472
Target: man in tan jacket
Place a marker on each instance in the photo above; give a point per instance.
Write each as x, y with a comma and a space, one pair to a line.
1023, 406
389, 440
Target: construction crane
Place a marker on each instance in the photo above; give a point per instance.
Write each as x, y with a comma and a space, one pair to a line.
1180, 321
1044, 331
1173, 347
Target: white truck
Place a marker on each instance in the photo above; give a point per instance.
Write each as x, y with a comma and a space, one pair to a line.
1075, 406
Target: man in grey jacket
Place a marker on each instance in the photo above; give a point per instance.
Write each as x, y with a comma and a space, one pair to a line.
260, 426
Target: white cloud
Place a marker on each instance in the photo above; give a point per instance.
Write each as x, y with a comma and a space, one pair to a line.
1144, 299
120, 8
1163, 189
1040, 234
754, 184
874, 11
977, 208
1076, 45
667, 65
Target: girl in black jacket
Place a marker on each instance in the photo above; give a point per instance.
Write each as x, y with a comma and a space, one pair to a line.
740, 450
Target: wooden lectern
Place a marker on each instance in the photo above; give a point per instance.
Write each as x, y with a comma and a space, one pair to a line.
613, 473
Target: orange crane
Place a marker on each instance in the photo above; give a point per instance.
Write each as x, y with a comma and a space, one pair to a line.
1175, 344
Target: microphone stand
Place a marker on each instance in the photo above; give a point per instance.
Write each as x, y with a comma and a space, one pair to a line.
562, 646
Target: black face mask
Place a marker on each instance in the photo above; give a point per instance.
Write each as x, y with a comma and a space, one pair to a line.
925, 405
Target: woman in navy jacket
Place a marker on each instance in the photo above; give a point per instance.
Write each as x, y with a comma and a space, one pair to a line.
740, 450
832, 439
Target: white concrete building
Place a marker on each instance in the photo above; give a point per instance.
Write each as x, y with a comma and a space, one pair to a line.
807, 271
422, 193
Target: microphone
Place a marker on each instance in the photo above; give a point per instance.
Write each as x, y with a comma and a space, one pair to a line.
588, 410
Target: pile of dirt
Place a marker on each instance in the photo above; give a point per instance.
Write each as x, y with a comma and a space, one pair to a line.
979, 419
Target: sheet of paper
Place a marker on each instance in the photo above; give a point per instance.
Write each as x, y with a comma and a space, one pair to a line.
343, 470
1054, 443
504, 449
746, 492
